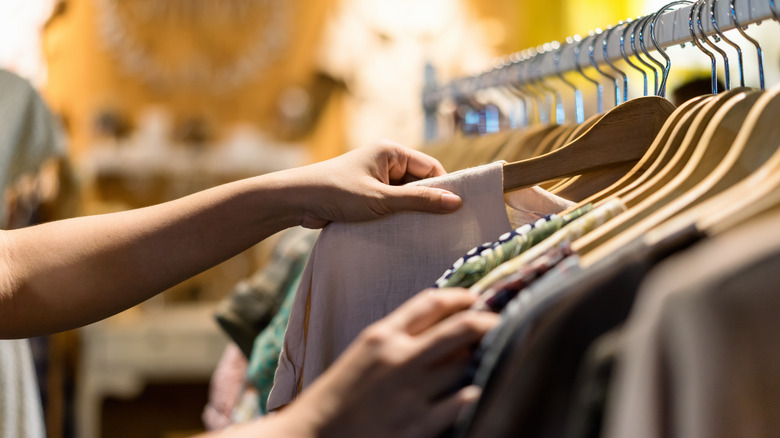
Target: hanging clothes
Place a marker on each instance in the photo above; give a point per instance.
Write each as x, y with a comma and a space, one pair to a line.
567, 233
699, 356
532, 360
255, 316
254, 302
225, 389
502, 292
480, 260
358, 273
267, 346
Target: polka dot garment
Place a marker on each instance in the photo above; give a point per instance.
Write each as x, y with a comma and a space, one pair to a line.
482, 259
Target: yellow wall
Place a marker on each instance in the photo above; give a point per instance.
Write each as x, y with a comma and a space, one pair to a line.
528, 23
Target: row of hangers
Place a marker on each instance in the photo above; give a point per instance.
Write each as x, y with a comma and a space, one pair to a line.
714, 161
524, 74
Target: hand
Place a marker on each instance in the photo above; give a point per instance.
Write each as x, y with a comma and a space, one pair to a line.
364, 184
396, 378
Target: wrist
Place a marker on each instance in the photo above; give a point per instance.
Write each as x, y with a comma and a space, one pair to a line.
287, 196
294, 421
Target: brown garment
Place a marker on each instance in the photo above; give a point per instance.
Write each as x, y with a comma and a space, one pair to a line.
702, 355
528, 375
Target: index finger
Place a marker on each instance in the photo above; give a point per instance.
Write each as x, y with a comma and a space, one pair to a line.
411, 162
428, 308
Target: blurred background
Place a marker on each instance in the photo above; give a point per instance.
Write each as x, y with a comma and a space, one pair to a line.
156, 99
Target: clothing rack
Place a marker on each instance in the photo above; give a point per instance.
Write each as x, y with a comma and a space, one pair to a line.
670, 28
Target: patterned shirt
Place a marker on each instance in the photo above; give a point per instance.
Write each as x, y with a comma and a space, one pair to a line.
567, 234
497, 297
486, 257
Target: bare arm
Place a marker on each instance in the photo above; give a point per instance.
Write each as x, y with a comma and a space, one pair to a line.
65, 274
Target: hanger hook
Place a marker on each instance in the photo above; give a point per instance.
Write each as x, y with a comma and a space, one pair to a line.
622, 74
695, 40
557, 107
726, 69
713, 8
644, 24
668, 67
534, 81
774, 11
735, 20
634, 38
591, 55
599, 88
519, 84
509, 83
630, 23
579, 106
526, 64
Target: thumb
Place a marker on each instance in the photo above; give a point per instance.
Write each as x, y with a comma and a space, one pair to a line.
417, 198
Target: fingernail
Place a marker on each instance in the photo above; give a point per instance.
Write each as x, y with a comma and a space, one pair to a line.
450, 202
471, 394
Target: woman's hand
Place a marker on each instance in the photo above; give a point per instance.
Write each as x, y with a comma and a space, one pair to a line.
365, 184
397, 378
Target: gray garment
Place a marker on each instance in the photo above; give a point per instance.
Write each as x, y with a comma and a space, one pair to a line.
29, 137
20, 406
701, 356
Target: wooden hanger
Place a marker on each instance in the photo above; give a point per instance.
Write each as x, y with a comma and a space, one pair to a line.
757, 193
655, 184
481, 147
560, 141
754, 195
524, 142
761, 190
678, 161
665, 144
448, 151
553, 142
696, 182
620, 136
579, 187
663, 147
564, 135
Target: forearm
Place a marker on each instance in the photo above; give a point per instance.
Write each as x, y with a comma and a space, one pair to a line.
68, 273
290, 423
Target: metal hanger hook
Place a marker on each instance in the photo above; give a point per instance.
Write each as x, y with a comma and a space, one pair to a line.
599, 89
741, 31
695, 39
622, 74
634, 37
556, 107
629, 24
642, 28
713, 8
726, 69
579, 106
668, 67
591, 54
